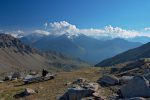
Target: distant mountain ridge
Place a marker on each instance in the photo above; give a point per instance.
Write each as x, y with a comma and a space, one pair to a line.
142, 39
15, 55
130, 55
81, 46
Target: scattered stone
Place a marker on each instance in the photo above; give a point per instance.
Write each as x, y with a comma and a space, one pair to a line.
26, 92
33, 73
68, 83
137, 87
36, 78
108, 80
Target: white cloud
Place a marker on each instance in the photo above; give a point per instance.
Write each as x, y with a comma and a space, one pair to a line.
119, 32
63, 27
42, 32
59, 28
16, 34
147, 29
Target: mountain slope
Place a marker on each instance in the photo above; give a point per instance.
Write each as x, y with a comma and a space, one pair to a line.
130, 55
84, 47
142, 39
14, 55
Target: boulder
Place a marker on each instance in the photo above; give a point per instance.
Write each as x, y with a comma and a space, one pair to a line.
79, 92
134, 98
108, 80
137, 87
26, 92
125, 79
79, 80
16, 75
8, 78
68, 83
29, 91
1, 81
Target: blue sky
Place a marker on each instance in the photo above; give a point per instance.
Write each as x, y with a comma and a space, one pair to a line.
30, 14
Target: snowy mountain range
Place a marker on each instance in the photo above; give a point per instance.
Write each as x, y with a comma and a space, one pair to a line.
79, 45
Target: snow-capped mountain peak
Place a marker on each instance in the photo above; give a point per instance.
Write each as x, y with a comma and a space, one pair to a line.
71, 36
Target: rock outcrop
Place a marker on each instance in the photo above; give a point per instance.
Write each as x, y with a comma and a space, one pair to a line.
108, 80
81, 90
137, 87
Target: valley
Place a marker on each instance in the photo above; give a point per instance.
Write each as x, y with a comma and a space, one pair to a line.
86, 48
74, 50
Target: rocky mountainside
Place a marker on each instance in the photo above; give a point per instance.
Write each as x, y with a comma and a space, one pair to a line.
14, 55
81, 46
130, 55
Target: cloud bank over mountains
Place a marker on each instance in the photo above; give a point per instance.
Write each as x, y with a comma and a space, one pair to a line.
59, 28
63, 27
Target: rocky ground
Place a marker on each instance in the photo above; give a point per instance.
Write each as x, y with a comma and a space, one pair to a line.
52, 89
129, 82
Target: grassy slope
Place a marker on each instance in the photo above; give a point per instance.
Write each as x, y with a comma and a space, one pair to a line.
11, 61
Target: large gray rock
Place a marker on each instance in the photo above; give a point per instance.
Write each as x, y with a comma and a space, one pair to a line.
16, 75
79, 92
108, 80
125, 79
137, 87
134, 98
